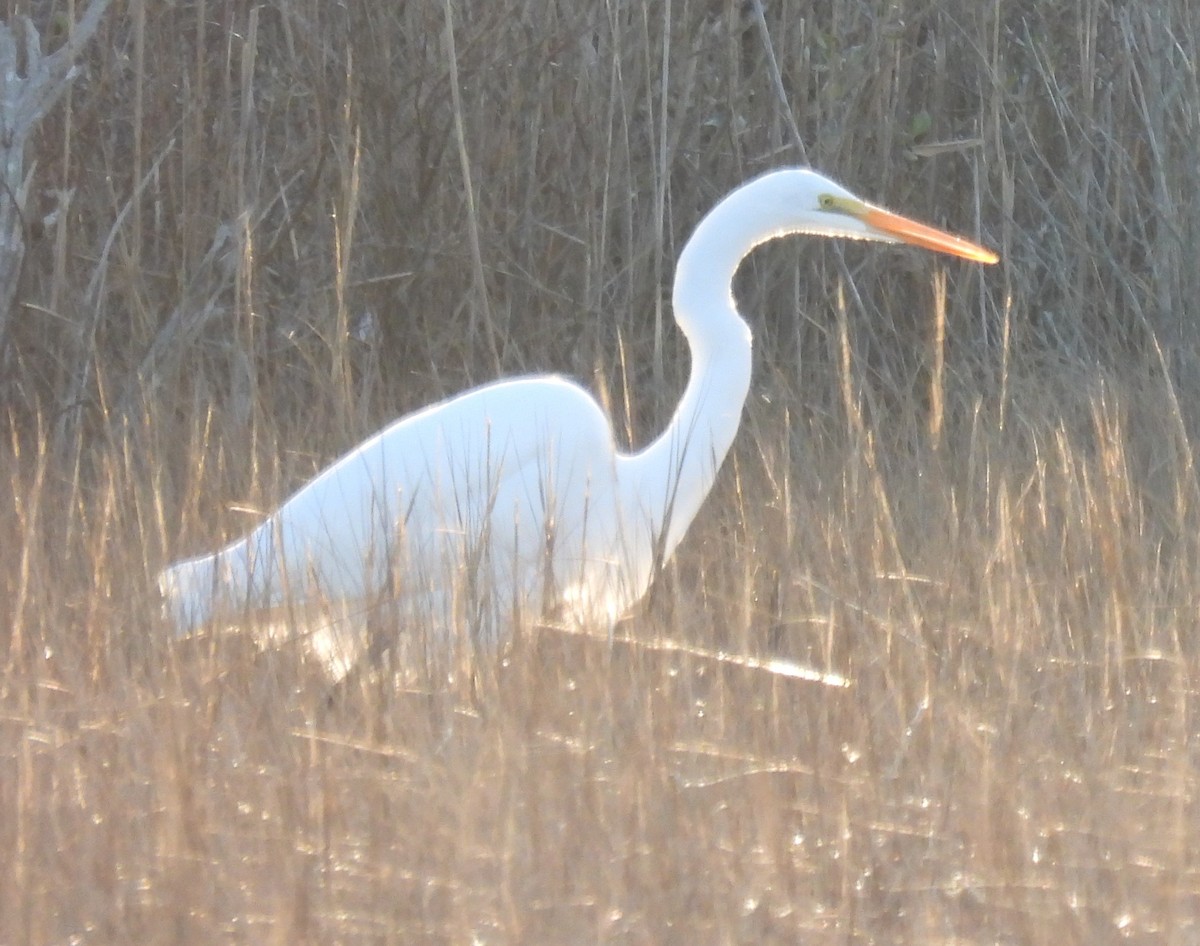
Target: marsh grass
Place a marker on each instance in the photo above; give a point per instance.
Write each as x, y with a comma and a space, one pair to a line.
970, 494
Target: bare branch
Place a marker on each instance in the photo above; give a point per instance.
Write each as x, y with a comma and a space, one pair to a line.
24, 101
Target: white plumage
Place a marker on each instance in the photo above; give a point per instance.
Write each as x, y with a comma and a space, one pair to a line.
511, 501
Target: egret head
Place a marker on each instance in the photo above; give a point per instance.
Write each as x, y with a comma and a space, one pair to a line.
799, 200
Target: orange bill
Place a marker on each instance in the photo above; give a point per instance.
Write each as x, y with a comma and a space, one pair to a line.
918, 234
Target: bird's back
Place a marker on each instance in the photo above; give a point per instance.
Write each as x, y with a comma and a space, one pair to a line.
497, 505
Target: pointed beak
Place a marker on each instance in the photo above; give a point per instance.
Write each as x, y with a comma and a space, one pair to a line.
918, 234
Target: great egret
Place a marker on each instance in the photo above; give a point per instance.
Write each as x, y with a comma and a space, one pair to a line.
512, 500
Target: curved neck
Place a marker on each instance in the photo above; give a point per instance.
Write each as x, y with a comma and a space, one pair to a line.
672, 476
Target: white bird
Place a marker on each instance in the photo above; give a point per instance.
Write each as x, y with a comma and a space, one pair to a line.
512, 501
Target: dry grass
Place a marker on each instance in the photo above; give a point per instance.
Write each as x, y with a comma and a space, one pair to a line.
987, 522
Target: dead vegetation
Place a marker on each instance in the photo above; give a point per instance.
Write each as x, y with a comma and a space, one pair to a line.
281, 225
